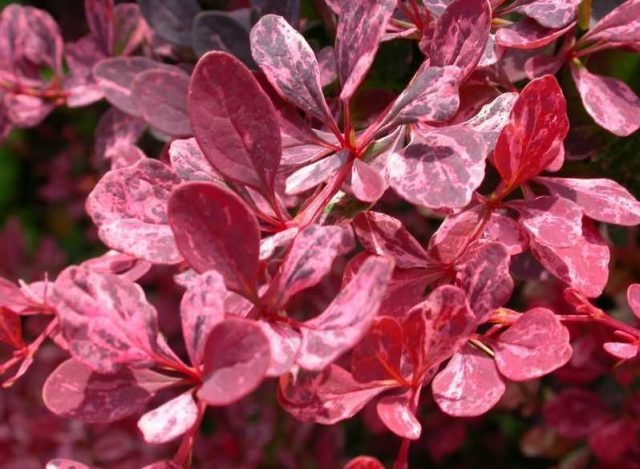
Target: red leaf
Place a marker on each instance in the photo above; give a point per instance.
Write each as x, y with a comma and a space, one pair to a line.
234, 121
129, 206
360, 28
633, 298
552, 221
10, 328
161, 98
309, 260
537, 126
379, 350
396, 413
209, 223
601, 199
613, 439
289, 64
345, 321
236, 359
326, 396
363, 462
461, 34
74, 391
469, 385
106, 319
484, 276
454, 234
170, 420
440, 168
610, 102
201, 308
584, 266
551, 13
115, 77
535, 345
386, 236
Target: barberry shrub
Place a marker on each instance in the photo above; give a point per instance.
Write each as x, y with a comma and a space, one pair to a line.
345, 244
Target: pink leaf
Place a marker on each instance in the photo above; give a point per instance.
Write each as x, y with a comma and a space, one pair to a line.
161, 98
460, 34
484, 276
129, 206
620, 27
236, 359
551, 13
506, 231
201, 308
209, 223
289, 64
326, 396
100, 18
535, 345
347, 318
74, 391
188, 161
454, 235
285, 345
106, 319
65, 464
367, 183
529, 34
115, 77
380, 348
363, 462
234, 121
170, 420
492, 118
551, 220
432, 95
396, 413
633, 298
601, 199
309, 260
469, 385
360, 28
116, 130
610, 102
621, 350
584, 266
113, 262
315, 173
386, 236
439, 169
537, 126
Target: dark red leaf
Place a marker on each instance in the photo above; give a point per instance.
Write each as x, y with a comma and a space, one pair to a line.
236, 359
364, 462
360, 28
380, 349
234, 121
74, 391
10, 328
209, 223
171, 19
223, 31
345, 321
576, 413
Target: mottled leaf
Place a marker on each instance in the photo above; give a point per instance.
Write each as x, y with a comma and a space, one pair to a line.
620, 26
492, 118
506, 231
100, 18
74, 391
209, 223
440, 168
311, 175
360, 28
610, 102
469, 385
529, 34
129, 207
289, 64
188, 161
237, 356
347, 318
201, 308
551, 13
285, 345
395, 412
455, 234
234, 121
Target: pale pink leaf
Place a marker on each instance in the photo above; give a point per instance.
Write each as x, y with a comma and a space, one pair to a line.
285, 345
66, 464
492, 118
170, 420
551, 13
188, 161
621, 350
367, 183
395, 412
529, 34
311, 175
507, 231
